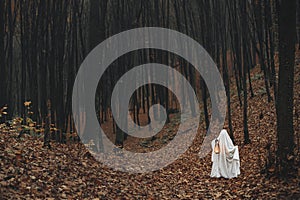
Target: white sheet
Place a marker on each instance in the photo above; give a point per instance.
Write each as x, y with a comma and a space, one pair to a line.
227, 163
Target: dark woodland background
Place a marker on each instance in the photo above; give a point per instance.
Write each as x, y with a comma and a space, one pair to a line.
43, 42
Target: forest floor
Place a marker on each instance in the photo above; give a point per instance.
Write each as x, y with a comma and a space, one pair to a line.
67, 171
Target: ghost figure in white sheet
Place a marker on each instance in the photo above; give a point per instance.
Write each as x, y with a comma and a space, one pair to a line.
226, 162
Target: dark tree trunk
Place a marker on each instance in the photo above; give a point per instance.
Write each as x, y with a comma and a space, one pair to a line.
285, 128
94, 33
2, 57
97, 35
261, 53
245, 70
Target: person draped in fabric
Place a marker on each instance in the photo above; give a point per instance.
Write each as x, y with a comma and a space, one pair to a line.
226, 162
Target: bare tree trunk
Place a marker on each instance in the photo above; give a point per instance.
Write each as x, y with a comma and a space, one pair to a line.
48, 122
2, 57
97, 30
260, 27
285, 128
245, 70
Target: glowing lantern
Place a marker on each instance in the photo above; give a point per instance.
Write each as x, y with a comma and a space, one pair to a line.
217, 147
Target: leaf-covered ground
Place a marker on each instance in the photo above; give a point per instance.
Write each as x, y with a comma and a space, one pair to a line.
29, 171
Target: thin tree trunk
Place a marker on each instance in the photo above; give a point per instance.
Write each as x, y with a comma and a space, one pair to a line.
245, 66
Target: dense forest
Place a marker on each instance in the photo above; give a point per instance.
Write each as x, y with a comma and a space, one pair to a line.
44, 42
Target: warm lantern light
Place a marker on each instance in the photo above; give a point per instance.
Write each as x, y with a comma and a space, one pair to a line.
217, 147
27, 103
